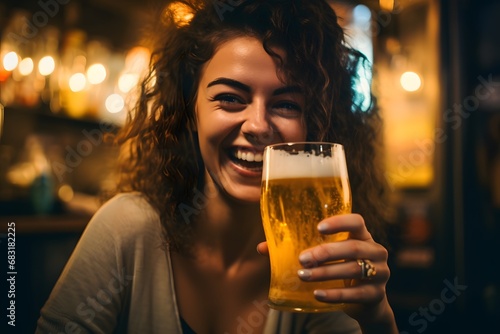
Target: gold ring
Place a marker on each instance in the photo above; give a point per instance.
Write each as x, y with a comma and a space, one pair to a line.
367, 269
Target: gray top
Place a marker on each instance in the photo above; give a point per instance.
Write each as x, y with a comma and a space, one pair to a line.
119, 280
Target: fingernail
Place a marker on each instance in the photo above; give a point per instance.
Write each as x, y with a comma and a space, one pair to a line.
322, 227
304, 273
257, 249
320, 293
306, 260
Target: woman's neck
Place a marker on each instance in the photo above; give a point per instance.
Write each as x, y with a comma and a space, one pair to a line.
228, 228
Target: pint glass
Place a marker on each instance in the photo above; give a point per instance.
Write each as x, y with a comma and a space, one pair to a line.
302, 183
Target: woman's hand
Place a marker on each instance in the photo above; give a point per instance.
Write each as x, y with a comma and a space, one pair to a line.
339, 260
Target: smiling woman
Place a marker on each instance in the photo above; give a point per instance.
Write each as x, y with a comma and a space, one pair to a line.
185, 219
241, 107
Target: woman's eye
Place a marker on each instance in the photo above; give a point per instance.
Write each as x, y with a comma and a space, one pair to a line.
288, 109
229, 101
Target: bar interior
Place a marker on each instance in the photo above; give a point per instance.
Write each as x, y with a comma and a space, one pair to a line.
69, 71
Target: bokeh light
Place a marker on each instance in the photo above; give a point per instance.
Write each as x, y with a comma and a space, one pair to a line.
115, 103
77, 82
127, 81
410, 81
96, 74
46, 65
362, 15
10, 61
26, 66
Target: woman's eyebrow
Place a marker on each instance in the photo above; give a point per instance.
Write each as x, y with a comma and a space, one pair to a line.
241, 86
230, 82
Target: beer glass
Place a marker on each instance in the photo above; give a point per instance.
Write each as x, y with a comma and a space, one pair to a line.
302, 183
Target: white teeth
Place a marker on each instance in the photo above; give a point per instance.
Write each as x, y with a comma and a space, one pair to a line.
249, 156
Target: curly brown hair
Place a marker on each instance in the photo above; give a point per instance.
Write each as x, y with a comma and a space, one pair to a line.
161, 154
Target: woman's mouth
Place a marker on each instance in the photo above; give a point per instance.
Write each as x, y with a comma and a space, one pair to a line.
247, 159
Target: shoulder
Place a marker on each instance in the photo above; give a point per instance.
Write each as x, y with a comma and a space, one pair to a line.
125, 215
120, 245
128, 206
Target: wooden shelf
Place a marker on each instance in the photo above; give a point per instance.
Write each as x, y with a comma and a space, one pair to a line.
43, 113
63, 223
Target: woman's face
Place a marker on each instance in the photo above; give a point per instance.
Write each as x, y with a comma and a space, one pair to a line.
241, 107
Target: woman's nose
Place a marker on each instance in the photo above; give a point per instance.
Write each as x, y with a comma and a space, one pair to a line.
257, 127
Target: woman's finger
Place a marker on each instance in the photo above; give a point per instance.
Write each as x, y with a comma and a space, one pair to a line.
373, 293
352, 223
350, 249
262, 248
347, 270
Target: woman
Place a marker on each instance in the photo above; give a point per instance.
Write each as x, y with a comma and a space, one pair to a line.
174, 252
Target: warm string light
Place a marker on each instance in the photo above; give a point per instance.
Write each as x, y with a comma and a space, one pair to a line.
86, 78
82, 78
10, 62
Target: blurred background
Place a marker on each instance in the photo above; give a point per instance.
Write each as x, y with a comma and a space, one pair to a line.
68, 69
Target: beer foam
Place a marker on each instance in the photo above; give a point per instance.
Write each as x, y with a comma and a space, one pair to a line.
303, 164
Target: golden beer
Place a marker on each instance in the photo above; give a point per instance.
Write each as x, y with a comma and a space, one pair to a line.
294, 200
